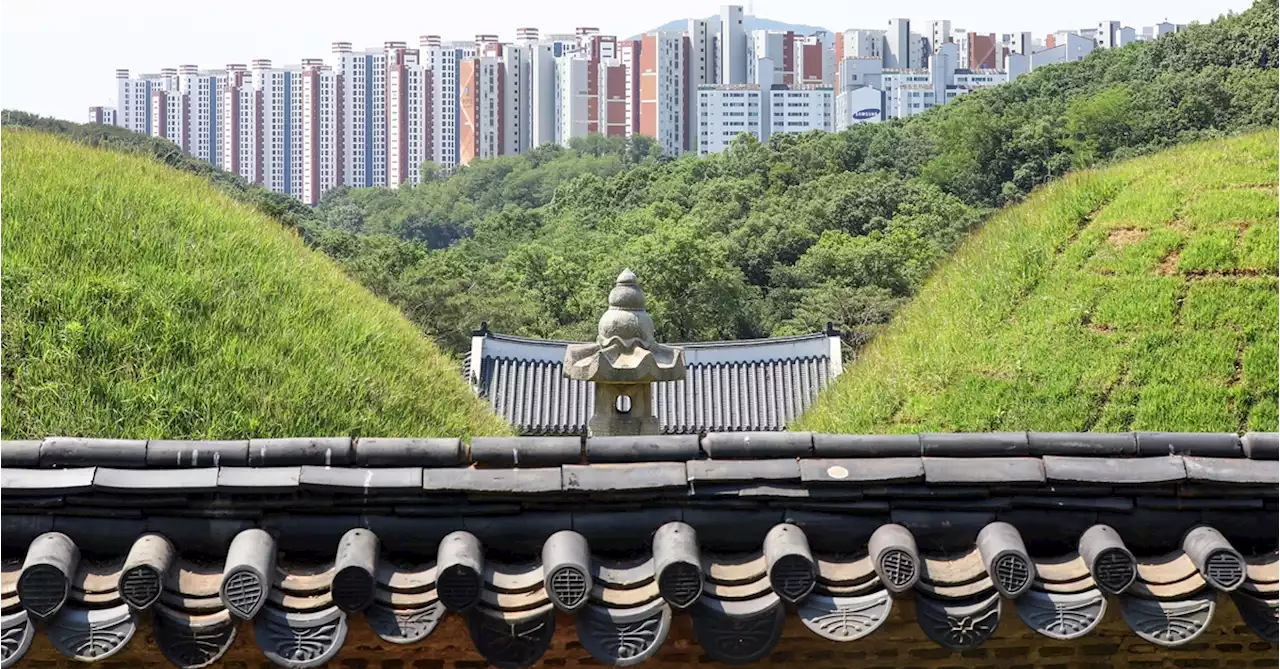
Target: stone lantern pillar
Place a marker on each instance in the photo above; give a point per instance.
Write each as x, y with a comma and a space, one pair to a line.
623, 362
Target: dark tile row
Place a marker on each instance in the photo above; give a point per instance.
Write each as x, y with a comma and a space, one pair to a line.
553, 451
933, 476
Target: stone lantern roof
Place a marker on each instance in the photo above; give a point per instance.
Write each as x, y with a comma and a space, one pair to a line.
625, 350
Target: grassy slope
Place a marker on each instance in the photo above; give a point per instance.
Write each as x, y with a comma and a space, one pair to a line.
141, 302
1139, 297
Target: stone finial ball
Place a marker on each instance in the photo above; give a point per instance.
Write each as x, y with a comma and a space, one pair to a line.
626, 293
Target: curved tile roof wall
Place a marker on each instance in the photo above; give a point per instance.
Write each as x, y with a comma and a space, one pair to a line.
739, 531
730, 386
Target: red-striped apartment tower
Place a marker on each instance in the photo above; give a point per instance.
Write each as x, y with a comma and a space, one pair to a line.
241, 113
597, 49
481, 83
169, 109
815, 61
203, 93
321, 129
612, 78
409, 116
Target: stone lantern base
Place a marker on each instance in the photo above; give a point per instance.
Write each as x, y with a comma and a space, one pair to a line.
623, 410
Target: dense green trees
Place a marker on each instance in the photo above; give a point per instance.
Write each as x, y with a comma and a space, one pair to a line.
780, 237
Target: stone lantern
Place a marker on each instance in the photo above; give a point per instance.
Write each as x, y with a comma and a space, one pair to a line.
624, 362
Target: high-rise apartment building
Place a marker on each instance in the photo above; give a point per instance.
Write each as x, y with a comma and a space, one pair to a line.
897, 46
203, 90
169, 109
321, 130
542, 93
281, 136
517, 116
629, 54
938, 33
133, 100
612, 78
815, 62
572, 96
481, 89
238, 120
776, 46
408, 115
364, 108
733, 45
663, 105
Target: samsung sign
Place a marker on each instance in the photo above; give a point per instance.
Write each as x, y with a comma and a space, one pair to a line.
863, 114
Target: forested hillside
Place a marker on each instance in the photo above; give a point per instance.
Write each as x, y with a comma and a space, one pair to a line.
780, 238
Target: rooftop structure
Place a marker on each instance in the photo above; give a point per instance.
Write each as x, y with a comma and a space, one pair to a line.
762, 384
739, 546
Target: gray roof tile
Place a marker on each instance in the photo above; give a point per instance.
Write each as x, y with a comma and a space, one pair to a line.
183, 453
784, 469
471, 480
973, 445
861, 470
1231, 470
365, 479
1115, 470
152, 481
623, 477
258, 479
983, 470
20, 453
78, 452
46, 481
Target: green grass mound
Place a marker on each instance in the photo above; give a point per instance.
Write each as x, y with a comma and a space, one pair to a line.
141, 302
1141, 297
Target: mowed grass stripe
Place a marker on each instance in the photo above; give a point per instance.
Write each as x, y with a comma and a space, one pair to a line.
1143, 296
141, 302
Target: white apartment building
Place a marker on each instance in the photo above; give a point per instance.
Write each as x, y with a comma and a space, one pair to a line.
798, 110
897, 44
408, 120
912, 91
774, 46
629, 54
517, 117
938, 33
133, 100
571, 98
1067, 47
364, 107
203, 92
238, 120
704, 62
724, 112
320, 131
281, 143
733, 45
542, 94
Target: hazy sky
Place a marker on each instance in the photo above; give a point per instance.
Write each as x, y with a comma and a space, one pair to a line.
58, 57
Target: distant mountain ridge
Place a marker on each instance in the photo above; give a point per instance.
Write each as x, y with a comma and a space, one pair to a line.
751, 22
